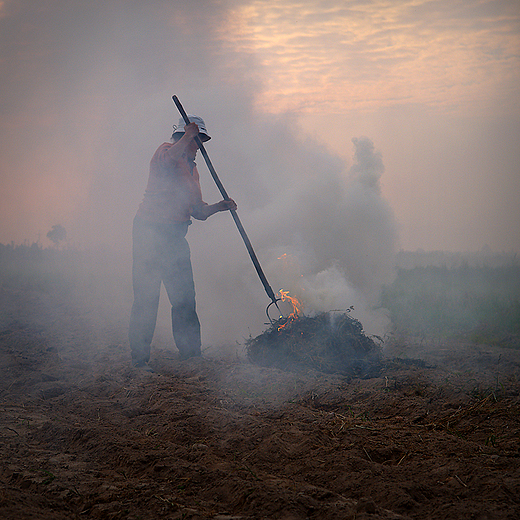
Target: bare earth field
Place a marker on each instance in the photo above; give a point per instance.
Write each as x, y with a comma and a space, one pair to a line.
435, 435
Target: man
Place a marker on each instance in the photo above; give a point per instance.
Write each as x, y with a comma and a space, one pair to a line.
160, 250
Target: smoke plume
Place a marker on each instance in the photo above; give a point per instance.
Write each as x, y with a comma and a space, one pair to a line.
86, 101
324, 233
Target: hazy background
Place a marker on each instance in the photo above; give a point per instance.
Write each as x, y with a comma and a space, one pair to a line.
344, 130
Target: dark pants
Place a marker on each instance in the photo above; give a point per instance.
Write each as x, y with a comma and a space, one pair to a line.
161, 254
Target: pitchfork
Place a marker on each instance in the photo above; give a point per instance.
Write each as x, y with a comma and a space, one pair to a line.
234, 214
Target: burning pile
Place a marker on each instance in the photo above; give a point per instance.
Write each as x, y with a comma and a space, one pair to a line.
332, 342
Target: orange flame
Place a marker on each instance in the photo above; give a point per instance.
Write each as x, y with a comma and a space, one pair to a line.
297, 307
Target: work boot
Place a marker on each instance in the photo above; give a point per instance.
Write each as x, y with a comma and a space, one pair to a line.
139, 359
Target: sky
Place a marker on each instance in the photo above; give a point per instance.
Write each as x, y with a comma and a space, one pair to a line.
435, 84
345, 130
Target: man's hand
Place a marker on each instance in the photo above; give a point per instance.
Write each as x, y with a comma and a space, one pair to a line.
225, 205
191, 130
203, 211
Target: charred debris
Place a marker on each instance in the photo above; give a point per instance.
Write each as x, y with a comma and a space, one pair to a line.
331, 342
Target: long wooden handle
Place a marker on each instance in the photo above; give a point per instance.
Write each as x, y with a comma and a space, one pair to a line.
234, 213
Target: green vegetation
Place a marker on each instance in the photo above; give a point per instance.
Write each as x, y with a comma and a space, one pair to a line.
478, 303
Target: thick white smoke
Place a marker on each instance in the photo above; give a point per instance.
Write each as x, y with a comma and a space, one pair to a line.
322, 232
87, 100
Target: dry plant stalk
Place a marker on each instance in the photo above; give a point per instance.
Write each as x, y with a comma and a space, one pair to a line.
331, 342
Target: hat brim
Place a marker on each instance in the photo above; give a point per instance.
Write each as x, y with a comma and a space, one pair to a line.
203, 137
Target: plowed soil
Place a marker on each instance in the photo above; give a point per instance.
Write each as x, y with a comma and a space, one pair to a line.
436, 434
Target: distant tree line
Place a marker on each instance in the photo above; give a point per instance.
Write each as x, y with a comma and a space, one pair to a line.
453, 260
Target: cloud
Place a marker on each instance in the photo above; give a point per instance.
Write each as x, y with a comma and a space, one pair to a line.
347, 55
